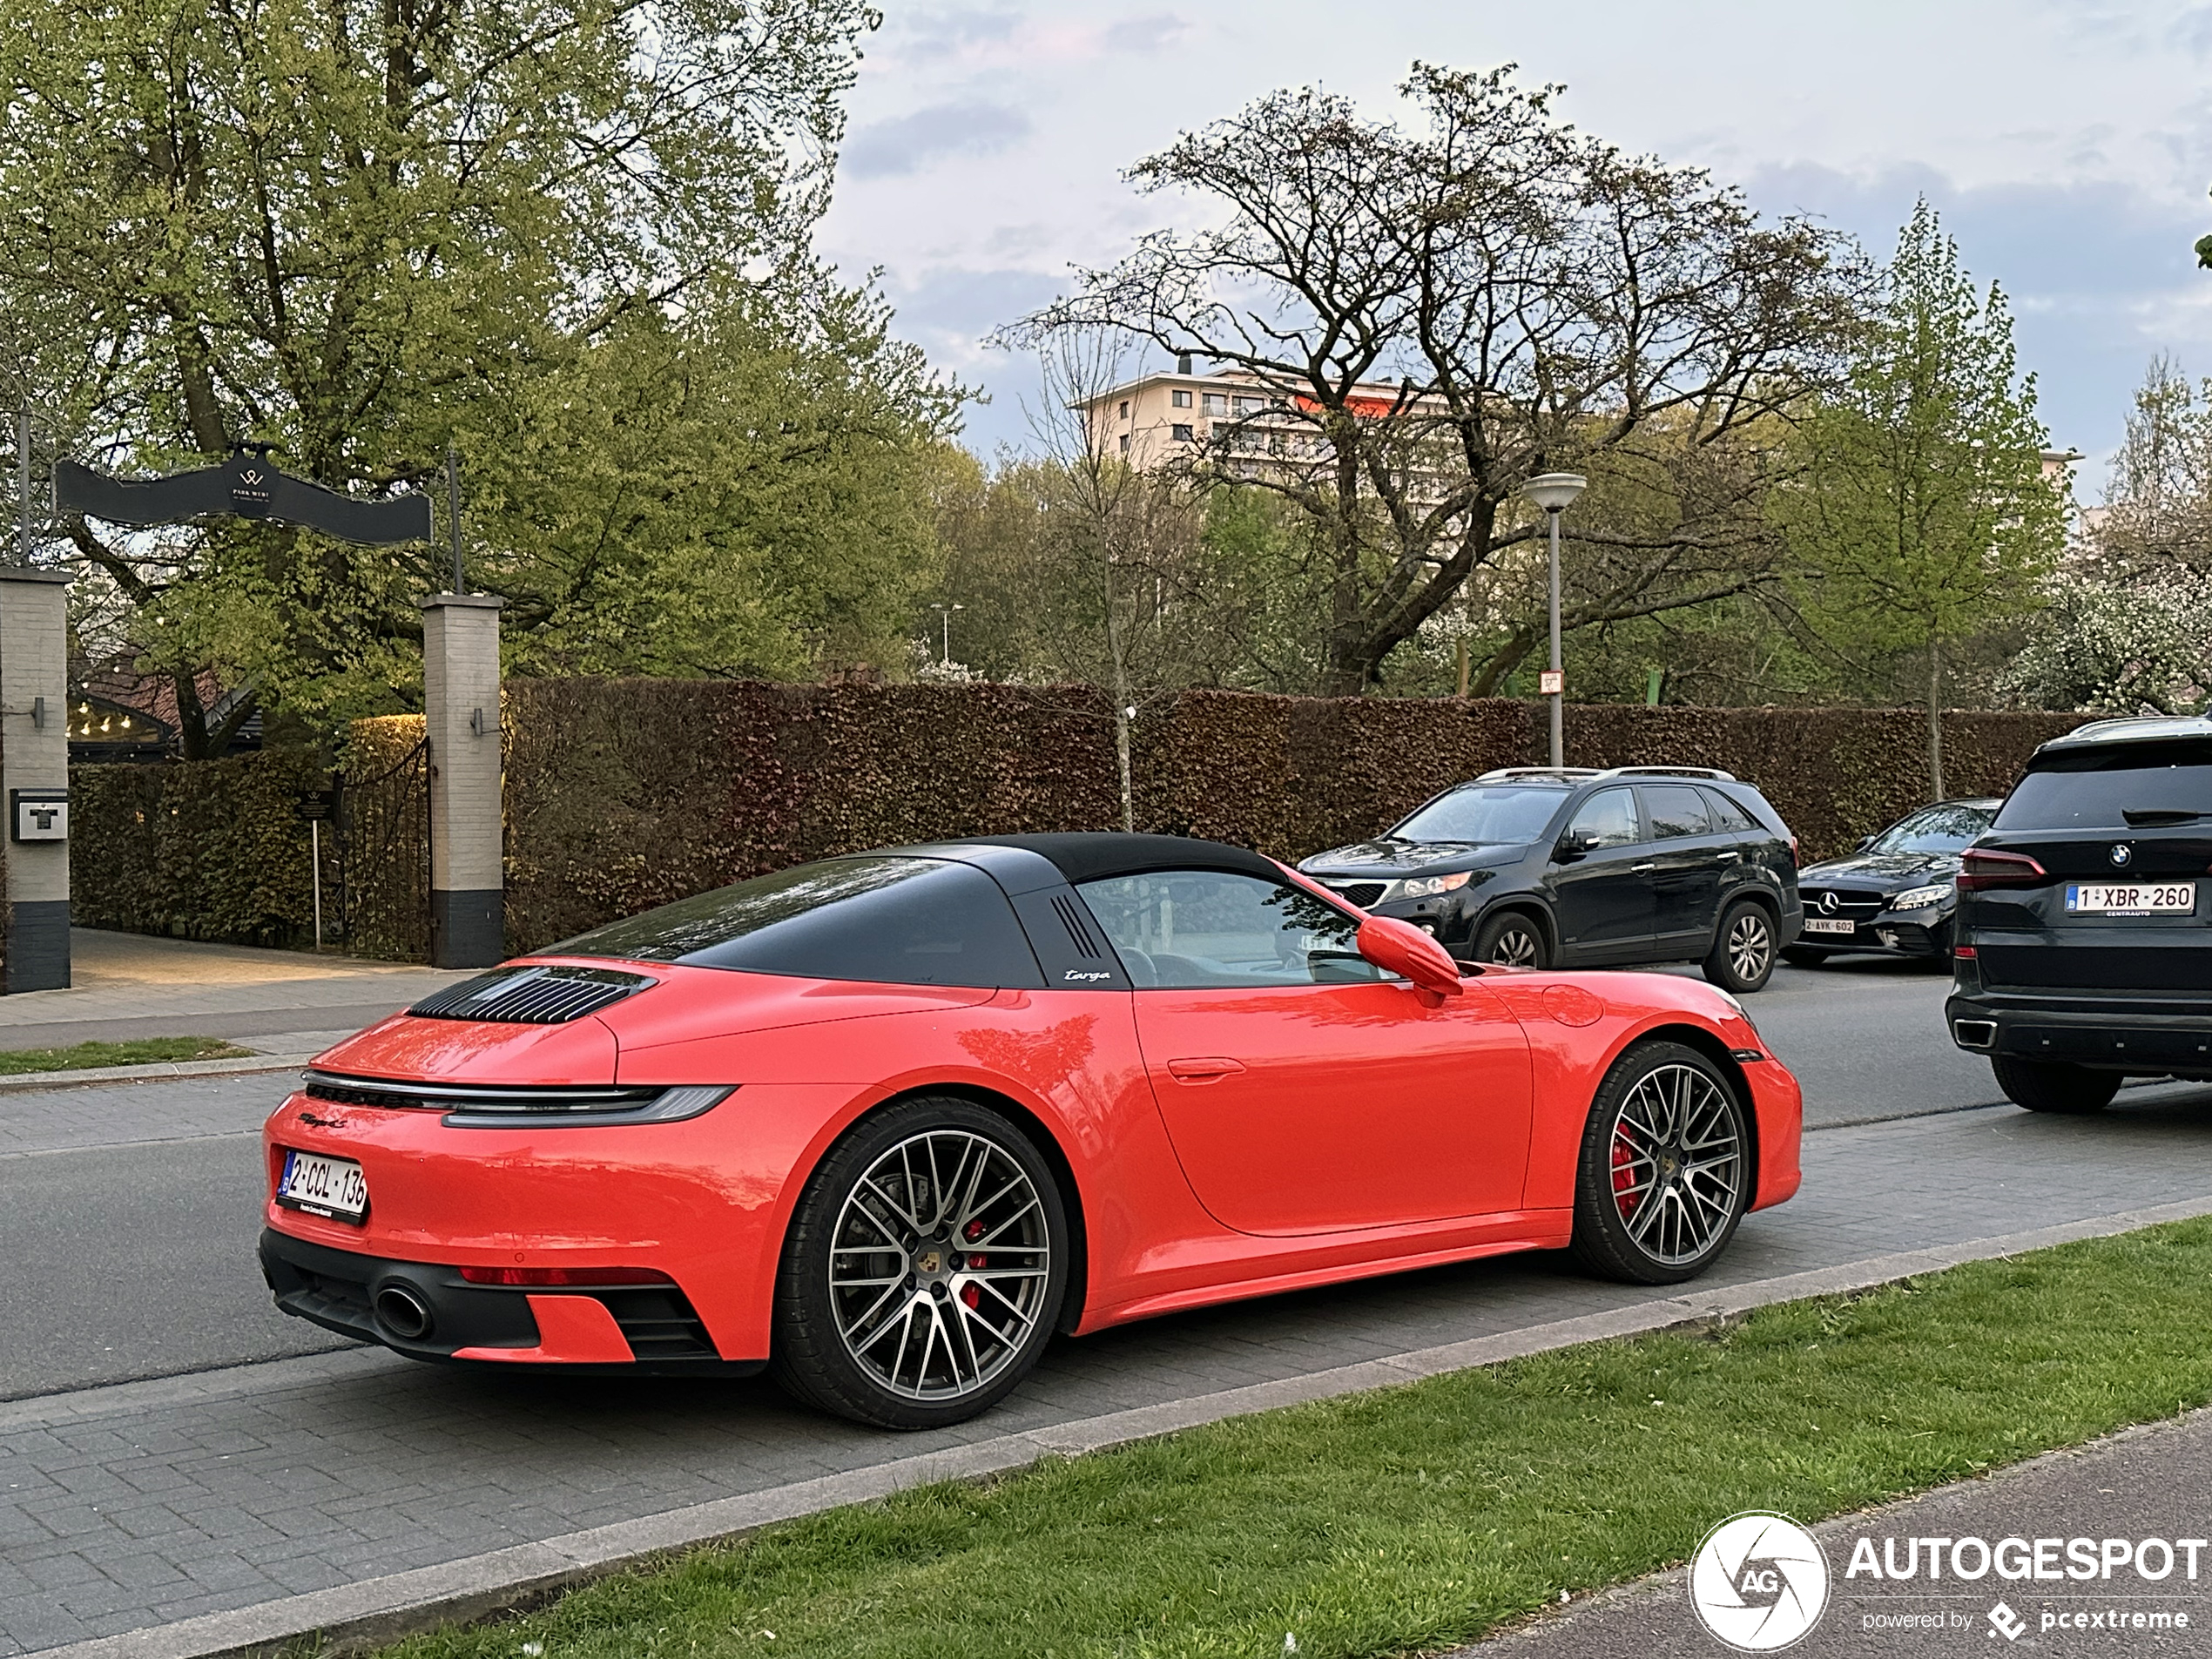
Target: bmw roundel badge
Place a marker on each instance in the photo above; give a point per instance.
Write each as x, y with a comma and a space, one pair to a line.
2121, 852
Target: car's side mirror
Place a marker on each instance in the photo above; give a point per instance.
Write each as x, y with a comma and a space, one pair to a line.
1865, 841
1399, 948
1573, 845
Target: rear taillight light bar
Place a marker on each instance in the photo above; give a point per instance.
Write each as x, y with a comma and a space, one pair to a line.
1986, 869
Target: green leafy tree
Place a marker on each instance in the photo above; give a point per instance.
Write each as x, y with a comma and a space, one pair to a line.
569, 239
1922, 514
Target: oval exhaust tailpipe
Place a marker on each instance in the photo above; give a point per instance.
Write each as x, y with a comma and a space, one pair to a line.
1980, 1034
403, 1313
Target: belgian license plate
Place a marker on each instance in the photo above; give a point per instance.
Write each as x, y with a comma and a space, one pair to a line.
2131, 899
321, 1186
1829, 924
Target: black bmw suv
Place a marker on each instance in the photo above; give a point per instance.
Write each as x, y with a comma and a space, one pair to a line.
2082, 955
1580, 868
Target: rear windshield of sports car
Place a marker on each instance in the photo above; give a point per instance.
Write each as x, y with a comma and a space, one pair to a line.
1485, 814
2123, 786
883, 920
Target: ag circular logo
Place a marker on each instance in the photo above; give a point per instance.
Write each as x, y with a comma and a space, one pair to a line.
1759, 1582
2121, 852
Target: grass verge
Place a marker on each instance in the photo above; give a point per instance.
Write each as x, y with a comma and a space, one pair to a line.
143, 1052
1414, 1517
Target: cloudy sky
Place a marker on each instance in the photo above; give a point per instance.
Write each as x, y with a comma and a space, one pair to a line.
2067, 144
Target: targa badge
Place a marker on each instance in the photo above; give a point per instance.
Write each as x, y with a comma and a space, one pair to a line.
1759, 1582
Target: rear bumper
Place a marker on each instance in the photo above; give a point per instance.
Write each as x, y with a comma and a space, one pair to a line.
373, 1299
2133, 1039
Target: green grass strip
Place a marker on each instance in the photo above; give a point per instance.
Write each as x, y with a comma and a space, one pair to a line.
1416, 1517
141, 1052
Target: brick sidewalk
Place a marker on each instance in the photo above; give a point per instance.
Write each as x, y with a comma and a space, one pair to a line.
146, 1503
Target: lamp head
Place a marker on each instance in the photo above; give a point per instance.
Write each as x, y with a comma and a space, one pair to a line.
1555, 491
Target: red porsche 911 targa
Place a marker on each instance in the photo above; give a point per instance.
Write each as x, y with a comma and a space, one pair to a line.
884, 1123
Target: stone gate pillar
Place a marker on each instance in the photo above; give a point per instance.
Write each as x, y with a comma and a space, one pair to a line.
461, 704
34, 772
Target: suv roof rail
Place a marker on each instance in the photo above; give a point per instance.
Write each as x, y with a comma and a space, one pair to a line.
1539, 771
2135, 728
1713, 773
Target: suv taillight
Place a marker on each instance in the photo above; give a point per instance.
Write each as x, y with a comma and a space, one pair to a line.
1983, 870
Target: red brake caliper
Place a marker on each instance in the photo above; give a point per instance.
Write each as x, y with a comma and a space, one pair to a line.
969, 1293
1625, 1174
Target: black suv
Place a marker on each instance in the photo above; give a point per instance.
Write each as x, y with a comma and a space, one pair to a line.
2081, 955
1577, 868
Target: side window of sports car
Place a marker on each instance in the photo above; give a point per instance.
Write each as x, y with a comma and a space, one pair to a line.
1193, 929
884, 920
1607, 819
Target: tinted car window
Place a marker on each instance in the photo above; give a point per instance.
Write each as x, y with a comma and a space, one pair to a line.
1675, 810
1935, 829
891, 921
2095, 789
1727, 817
1188, 929
1485, 812
1607, 819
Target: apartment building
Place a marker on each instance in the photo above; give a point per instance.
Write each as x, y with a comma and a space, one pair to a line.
1160, 418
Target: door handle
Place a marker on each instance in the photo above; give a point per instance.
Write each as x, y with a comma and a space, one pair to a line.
1730, 858
1203, 1070
1642, 869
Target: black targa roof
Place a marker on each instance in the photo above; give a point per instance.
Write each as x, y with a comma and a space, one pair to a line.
1090, 856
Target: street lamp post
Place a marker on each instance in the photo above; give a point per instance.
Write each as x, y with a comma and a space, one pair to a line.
1555, 492
945, 616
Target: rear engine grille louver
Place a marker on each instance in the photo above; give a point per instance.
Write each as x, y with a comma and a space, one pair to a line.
531, 996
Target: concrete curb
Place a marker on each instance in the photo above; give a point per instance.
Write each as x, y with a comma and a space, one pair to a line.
353, 1618
153, 1071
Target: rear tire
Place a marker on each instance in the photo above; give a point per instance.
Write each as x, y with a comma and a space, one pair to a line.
1741, 959
1805, 955
1511, 940
2053, 1086
1666, 1170
924, 1269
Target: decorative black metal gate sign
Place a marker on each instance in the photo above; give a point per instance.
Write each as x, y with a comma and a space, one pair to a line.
246, 486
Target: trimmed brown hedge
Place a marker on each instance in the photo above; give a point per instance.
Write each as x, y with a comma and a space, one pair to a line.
622, 794
212, 850
1834, 774
625, 793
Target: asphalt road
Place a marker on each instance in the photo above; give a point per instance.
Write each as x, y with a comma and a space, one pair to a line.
2146, 1484
1865, 1036
135, 1260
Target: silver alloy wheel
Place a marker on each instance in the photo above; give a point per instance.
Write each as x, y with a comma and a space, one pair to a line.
1516, 947
1677, 1160
938, 1266
1751, 945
